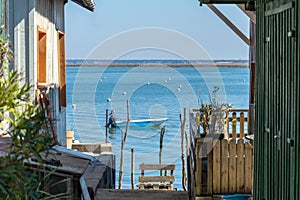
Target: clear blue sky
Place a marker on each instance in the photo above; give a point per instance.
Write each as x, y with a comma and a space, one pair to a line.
85, 29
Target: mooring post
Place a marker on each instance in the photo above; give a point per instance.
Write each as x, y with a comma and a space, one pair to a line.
132, 168
106, 127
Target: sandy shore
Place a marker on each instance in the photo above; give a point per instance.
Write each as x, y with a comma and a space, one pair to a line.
202, 65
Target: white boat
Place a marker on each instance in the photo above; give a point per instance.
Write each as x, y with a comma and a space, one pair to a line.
142, 122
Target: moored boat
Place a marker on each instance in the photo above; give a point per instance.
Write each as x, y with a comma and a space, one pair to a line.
142, 122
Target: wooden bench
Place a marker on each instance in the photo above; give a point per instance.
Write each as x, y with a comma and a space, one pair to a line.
164, 182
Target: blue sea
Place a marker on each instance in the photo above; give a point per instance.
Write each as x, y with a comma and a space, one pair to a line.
152, 92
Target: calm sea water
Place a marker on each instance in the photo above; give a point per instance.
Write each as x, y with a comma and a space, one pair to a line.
152, 93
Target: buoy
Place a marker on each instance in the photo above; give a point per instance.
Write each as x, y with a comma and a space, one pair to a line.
165, 81
148, 83
180, 86
124, 93
108, 100
178, 89
169, 78
74, 106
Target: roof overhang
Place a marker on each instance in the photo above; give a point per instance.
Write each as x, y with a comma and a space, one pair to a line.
225, 1
88, 4
249, 4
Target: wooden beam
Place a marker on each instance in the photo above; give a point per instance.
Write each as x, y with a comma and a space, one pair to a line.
229, 23
156, 167
156, 179
250, 14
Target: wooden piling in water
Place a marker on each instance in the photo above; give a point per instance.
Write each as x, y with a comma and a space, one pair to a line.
182, 121
132, 168
122, 146
106, 127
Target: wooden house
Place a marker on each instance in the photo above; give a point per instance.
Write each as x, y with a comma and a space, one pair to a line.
276, 139
36, 30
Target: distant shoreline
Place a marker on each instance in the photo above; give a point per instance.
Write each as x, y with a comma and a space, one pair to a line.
179, 65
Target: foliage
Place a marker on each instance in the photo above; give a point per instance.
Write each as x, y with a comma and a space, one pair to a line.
211, 117
26, 125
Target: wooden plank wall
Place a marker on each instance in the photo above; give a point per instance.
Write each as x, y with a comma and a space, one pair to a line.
226, 168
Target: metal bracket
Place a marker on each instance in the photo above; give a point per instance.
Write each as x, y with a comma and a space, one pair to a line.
290, 141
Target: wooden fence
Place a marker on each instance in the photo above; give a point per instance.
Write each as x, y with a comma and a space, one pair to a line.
220, 166
223, 166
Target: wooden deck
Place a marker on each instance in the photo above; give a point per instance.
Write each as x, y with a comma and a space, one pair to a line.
109, 194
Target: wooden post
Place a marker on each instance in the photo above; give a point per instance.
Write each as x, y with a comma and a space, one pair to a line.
106, 127
234, 121
132, 168
122, 147
226, 126
252, 59
242, 122
162, 132
182, 121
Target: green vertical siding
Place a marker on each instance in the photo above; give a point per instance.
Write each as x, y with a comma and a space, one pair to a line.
276, 173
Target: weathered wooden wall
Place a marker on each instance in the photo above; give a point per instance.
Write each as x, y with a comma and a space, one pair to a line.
277, 139
24, 19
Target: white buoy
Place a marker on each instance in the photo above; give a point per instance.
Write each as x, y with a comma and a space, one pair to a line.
124, 93
74, 106
169, 78
180, 86
108, 100
165, 81
148, 83
178, 89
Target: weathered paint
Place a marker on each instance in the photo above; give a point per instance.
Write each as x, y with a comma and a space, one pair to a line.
276, 171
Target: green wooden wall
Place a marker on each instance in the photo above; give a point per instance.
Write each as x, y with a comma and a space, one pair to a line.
277, 111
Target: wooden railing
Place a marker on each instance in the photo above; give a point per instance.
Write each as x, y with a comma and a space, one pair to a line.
236, 123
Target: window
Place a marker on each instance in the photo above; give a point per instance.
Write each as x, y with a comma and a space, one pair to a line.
41, 55
61, 68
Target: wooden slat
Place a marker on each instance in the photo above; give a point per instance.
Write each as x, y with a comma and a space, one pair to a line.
224, 166
234, 122
217, 168
210, 173
156, 167
144, 179
226, 126
248, 167
240, 167
198, 177
242, 135
232, 166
